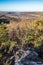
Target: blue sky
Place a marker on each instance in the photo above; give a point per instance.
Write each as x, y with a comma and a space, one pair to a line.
21, 5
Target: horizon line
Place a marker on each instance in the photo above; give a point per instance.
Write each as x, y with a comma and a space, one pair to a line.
21, 11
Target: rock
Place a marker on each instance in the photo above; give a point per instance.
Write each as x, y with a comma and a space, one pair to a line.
29, 55
32, 63
32, 55
4, 20
29, 63
40, 63
26, 56
18, 63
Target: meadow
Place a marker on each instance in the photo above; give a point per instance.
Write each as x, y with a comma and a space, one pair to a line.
20, 34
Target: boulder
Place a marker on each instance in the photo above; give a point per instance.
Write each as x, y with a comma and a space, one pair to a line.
26, 63
29, 55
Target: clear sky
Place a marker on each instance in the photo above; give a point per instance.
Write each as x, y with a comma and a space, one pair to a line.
21, 5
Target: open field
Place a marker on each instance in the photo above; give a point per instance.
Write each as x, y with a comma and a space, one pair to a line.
21, 38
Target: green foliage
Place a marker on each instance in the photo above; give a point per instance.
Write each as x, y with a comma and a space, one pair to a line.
35, 35
20, 38
31, 35
0, 55
3, 33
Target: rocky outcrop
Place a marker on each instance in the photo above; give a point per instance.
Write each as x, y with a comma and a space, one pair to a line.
29, 63
29, 58
4, 20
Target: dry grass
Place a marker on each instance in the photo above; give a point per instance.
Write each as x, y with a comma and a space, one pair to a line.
22, 24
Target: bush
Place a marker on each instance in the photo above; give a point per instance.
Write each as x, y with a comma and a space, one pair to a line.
3, 33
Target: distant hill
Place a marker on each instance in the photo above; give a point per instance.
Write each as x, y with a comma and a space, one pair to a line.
22, 15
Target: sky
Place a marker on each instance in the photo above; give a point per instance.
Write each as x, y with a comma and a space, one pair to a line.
21, 5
